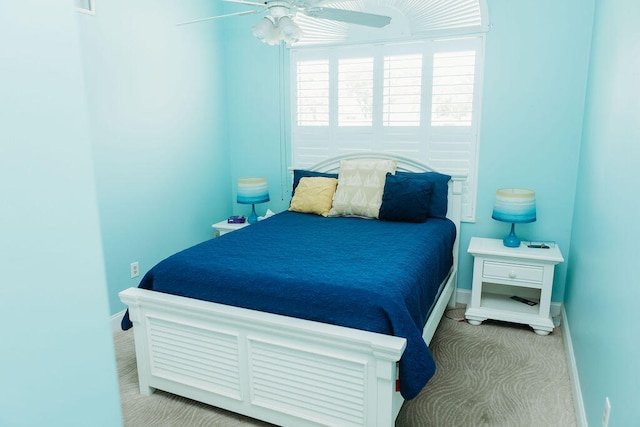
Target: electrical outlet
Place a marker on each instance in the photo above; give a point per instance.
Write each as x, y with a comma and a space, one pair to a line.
135, 269
606, 412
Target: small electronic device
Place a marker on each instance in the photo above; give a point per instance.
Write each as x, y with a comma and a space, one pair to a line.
236, 219
539, 245
523, 300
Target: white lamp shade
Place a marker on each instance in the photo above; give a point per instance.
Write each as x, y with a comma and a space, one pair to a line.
515, 205
252, 190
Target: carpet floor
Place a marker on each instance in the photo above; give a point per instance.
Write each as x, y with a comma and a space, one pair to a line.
493, 375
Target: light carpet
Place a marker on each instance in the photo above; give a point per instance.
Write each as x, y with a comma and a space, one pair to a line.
493, 375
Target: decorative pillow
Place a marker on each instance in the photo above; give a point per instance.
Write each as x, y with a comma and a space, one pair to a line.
405, 199
301, 173
314, 195
440, 196
360, 187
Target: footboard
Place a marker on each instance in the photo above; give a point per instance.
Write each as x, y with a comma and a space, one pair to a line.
286, 371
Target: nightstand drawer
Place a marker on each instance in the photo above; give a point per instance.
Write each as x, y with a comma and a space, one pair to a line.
508, 271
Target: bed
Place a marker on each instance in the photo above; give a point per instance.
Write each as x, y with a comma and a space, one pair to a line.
323, 327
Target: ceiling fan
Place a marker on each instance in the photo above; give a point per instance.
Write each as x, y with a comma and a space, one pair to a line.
278, 24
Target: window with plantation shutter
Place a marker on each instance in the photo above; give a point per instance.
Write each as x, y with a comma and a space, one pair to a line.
355, 92
413, 18
402, 96
419, 99
312, 93
452, 89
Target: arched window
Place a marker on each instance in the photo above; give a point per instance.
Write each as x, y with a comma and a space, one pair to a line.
412, 88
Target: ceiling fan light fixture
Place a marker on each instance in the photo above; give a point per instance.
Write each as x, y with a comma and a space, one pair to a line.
290, 31
272, 30
274, 40
264, 30
279, 24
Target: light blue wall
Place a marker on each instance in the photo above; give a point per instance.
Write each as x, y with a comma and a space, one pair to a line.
156, 96
258, 103
533, 96
57, 364
602, 283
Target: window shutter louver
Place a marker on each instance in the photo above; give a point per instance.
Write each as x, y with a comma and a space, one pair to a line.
402, 90
355, 92
422, 18
452, 97
312, 93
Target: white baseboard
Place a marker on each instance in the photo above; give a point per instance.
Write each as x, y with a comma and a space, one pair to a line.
463, 296
578, 403
115, 321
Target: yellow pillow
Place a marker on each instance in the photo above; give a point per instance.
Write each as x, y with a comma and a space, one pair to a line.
314, 195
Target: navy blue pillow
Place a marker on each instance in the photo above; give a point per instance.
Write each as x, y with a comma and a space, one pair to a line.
405, 199
301, 173
440, 195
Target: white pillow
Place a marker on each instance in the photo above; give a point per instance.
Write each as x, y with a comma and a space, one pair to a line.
360, 187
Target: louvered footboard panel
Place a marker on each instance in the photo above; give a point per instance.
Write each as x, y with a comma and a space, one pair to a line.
286, 371
319, 387
206, 359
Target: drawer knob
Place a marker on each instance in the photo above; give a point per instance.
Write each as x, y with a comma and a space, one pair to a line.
512, 274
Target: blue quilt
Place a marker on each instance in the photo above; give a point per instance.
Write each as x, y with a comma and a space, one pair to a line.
360, 273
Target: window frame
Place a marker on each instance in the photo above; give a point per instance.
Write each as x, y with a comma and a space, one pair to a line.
425, 143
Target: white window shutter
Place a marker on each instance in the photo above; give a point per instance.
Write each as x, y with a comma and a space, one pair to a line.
418, 100
453, 84
410, 19
355, 92
312, 93
402, 90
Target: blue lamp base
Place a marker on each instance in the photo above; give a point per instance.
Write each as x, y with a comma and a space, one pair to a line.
512, 241
253, 218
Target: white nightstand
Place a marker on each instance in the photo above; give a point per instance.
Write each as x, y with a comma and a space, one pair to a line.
223, 227
500, 273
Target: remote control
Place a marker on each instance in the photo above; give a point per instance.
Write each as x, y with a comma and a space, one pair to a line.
539, 246
525, 301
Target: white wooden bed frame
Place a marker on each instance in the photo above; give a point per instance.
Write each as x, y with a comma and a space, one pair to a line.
282, 370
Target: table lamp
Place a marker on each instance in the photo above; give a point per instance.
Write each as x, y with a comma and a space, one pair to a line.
251, 191
514, 205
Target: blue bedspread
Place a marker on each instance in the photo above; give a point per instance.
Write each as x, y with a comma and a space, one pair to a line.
360, 273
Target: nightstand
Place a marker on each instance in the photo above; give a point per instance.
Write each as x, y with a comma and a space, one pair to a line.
500, 273
223, 227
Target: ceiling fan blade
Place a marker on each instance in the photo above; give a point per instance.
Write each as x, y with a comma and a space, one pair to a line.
250, 3
247, 12
349, 16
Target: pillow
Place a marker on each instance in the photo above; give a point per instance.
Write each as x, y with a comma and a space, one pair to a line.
440, 195
314, 195
360, 187
300, 173
405, 199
